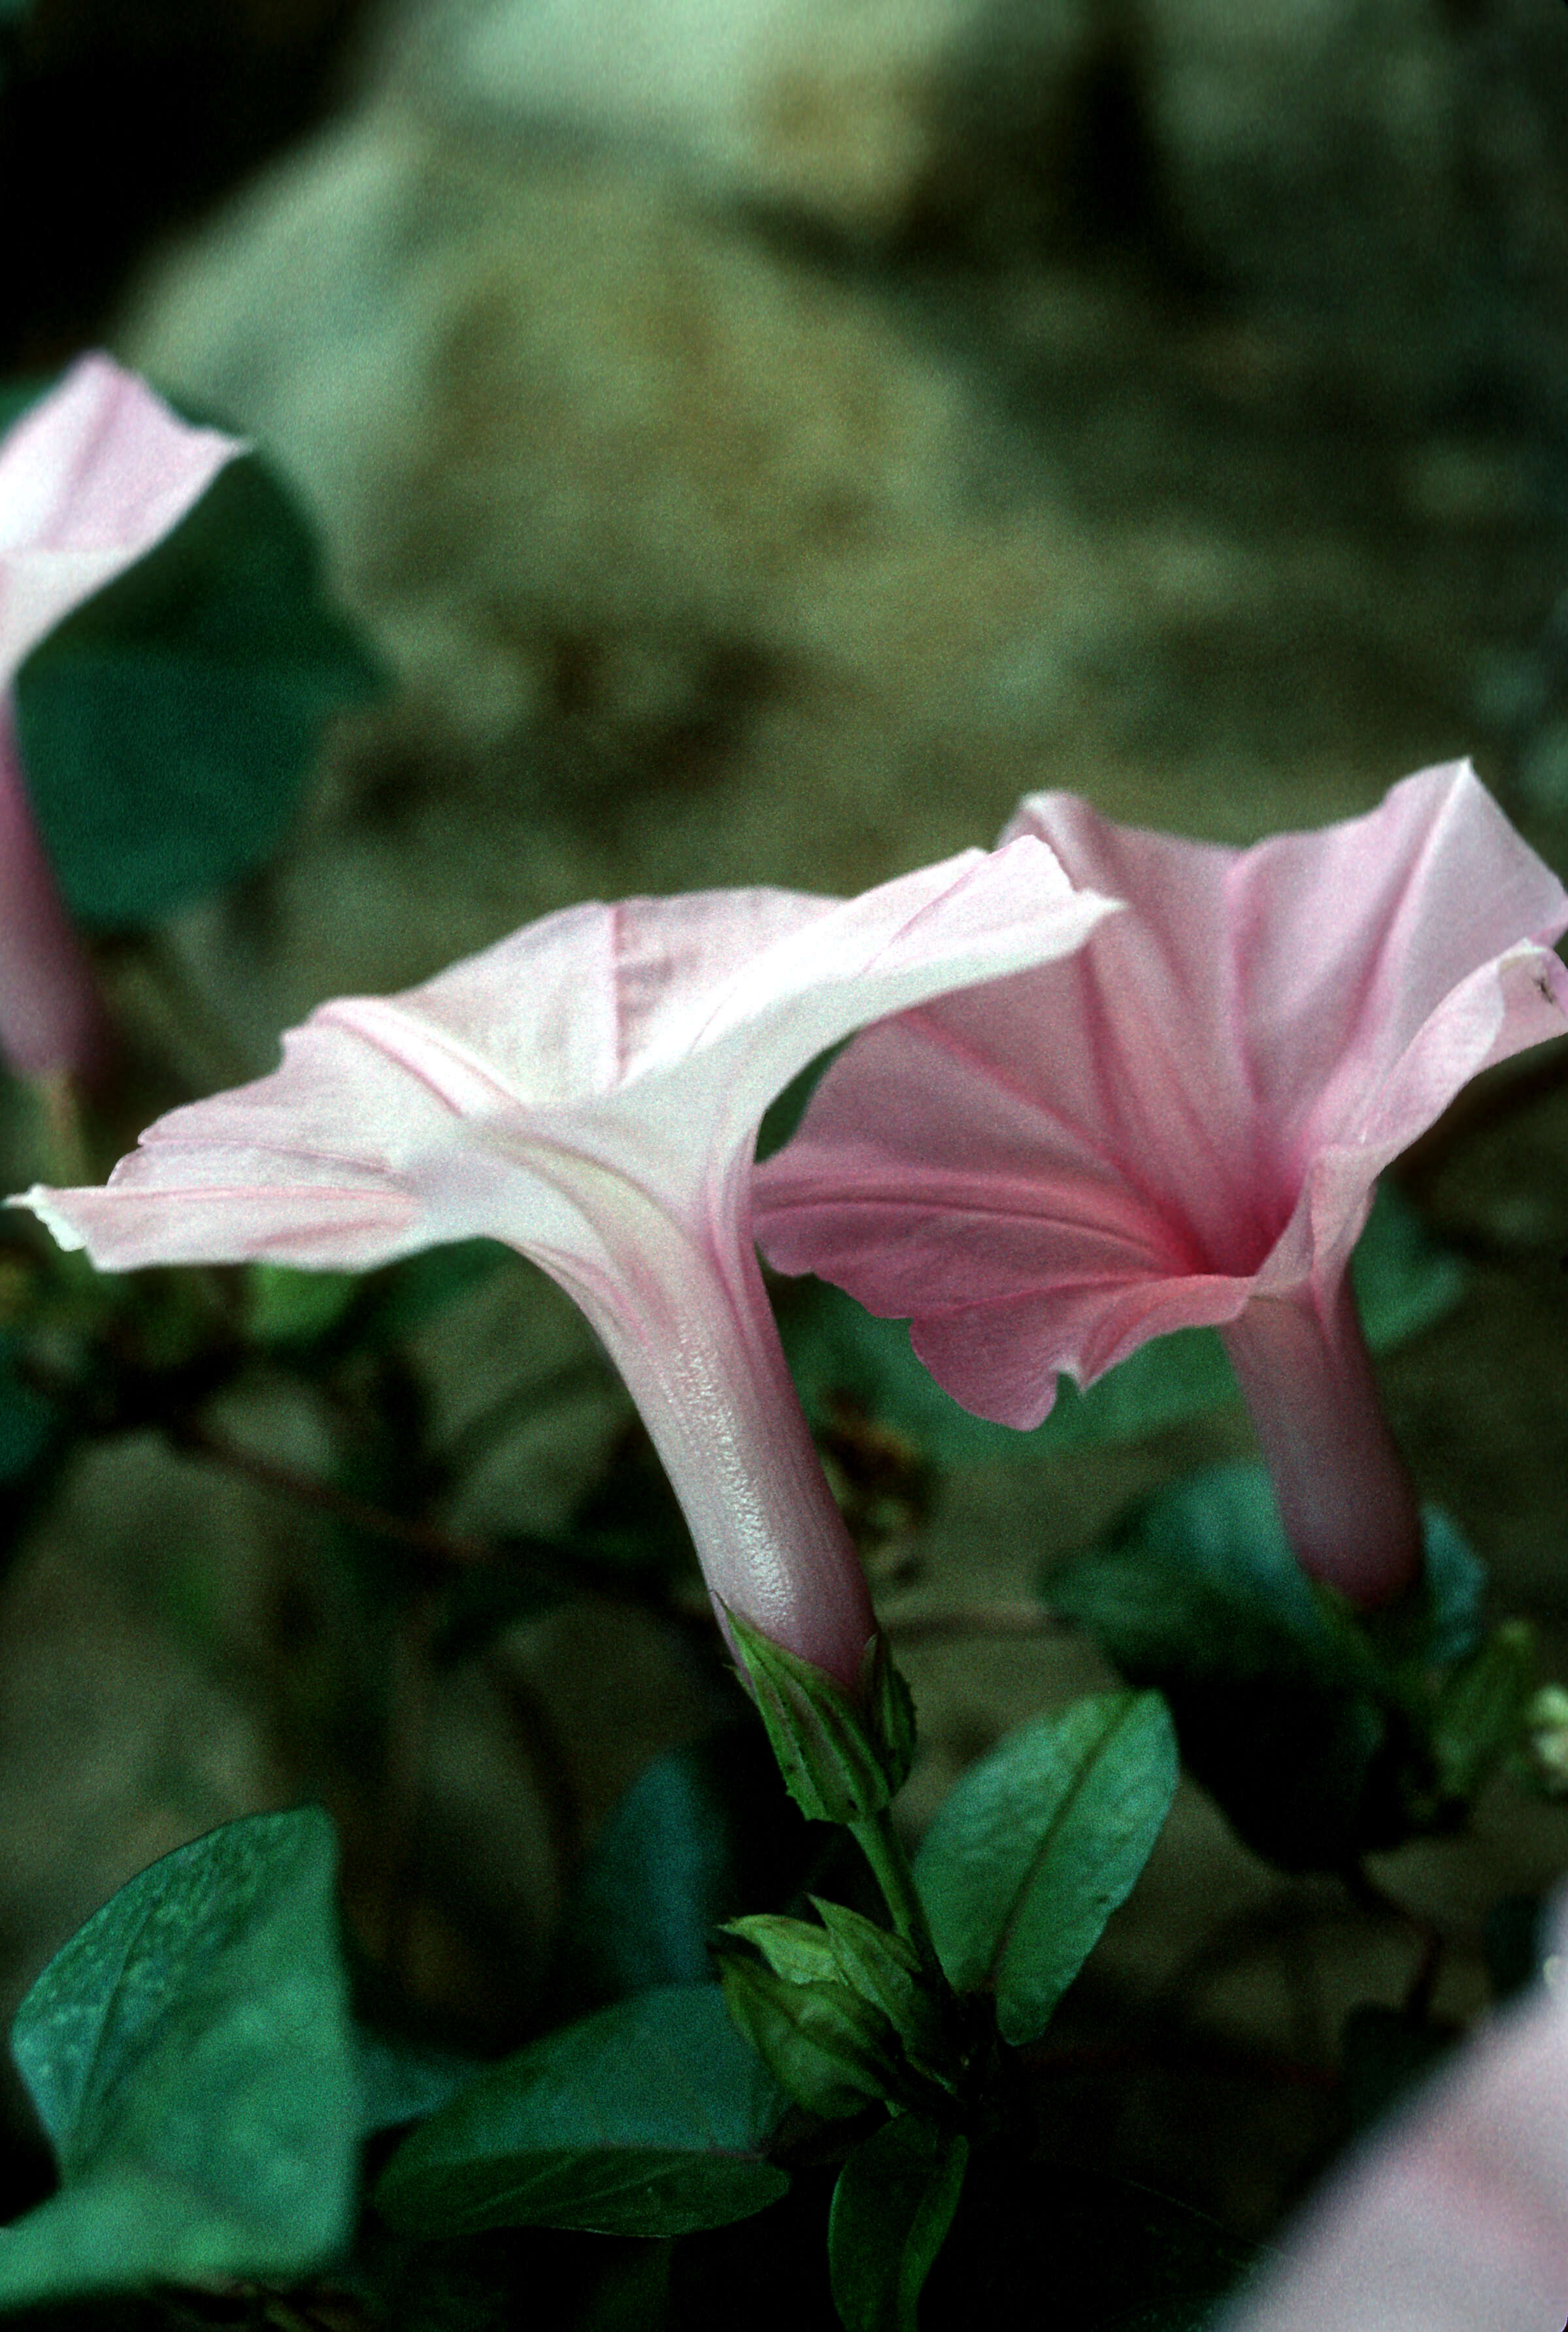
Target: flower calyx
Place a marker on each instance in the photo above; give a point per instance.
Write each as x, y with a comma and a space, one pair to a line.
842, 2014
842, 1755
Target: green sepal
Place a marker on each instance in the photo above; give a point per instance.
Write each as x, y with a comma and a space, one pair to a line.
843, 1756
885, 1971
823, 2045
892, 2208
792, 1948
892, 1706
1478, 1712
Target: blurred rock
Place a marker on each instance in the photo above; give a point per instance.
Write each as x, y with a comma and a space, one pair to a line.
856, 112
695, 563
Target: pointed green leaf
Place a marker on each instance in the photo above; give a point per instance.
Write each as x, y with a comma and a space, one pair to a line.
658, 1877
189, 2055
402, 2080
1038, 1844
892, 2208
167, 725
648, 2118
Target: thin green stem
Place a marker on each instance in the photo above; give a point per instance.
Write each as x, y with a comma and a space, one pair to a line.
883, 1849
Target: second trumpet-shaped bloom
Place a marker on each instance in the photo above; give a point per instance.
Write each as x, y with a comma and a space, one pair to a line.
1183, 1126
590, 1092
90, 479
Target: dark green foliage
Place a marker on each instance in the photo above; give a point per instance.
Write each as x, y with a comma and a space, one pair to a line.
892, 2208
648, 2118
825, 2046
843, 1754
189, 2053
1048, 2241
29, 1421
1037, 1845
1310, 1729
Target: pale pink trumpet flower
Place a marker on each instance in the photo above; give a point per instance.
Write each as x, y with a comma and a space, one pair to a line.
90, 478
589, 1091
1184, 1125
1456, 2219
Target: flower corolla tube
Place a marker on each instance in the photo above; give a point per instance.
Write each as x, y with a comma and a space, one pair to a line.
588, 1091
1184, 1125
92, 476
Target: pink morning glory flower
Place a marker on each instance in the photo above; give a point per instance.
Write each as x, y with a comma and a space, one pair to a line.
590, 1092
1457, 2220
90, 479
1184, 1125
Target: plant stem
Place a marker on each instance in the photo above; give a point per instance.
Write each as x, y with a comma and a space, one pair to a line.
883, 1849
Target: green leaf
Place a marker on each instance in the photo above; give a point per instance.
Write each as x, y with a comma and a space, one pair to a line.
786, 1110
879, 1968
188, 2052
1303, 1722
825, 2046
1403, 1281
167, 726
892, 2208
1198, 1580
402, 1297
1038, 1844
657, 1878
648, 2118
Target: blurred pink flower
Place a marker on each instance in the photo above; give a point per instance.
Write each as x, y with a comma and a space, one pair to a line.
1184, 1125
589, 1091
1456, 2219
90, 479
